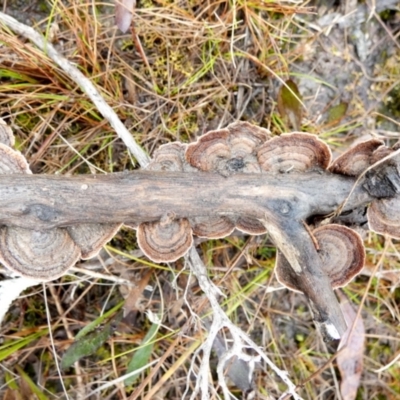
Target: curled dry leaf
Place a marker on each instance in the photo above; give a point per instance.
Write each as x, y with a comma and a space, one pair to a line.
41, 255
212, 227
123, 13
165, 240
293, 152
357, 159
6, 134
228, 151
342, 254
92, 237
351, 350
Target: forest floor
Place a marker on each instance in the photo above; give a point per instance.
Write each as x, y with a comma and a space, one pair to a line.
186, 67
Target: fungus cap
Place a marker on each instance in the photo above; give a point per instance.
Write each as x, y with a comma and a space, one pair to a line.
251, 226
168, 157
384, 216
229, 150
90, 238
342, 257
293, 152
6, 134
12, 161
357, 159
165, 240
212, 227
43, 255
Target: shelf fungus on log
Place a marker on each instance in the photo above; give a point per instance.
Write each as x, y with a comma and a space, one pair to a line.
251, 226
165, 240
357, 159
12, 161
294, 152
90, 238
237, 177
342, 257
170, 157
212, 227
382, 180
6, 134
228, 151
42, 255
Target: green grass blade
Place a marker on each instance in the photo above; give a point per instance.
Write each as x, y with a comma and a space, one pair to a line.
142, 355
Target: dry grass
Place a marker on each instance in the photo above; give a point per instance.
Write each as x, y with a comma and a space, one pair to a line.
185, 68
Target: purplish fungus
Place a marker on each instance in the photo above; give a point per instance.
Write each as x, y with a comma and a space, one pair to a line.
212, 227
41, 255
92, 237
165, 240
357, 159
342, 257
293, 152
6, 134
228, 151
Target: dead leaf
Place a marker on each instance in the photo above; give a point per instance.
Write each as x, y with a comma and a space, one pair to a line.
123, 13
336, 113
351, 346
134, 295
290, 105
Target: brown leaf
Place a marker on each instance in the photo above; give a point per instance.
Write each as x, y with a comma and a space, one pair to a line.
123, 13
290, 105
351, 346
134, 295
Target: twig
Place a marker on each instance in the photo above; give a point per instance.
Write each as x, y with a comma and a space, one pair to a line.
85, 84
221, 320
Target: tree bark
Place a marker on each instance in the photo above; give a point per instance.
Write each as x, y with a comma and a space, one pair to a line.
48, 201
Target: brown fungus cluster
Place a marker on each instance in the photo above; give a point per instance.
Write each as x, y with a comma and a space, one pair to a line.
44, 254
364, 160
241, 148
342, 255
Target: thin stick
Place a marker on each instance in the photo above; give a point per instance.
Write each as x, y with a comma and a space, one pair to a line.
84, 83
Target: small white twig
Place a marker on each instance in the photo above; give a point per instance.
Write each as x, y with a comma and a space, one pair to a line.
221, 320
85, 84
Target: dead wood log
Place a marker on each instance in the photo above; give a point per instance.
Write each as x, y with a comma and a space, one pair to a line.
282, 202
49, 201
237, 176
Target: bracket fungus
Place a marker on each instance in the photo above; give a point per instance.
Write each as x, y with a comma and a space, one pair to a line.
6, 134
357, 159
228, 151
12, 161
90, 238
342, 257
251, 226
382, 180
42, 255
237, 177
291, 152
168, 157
165, 240
212, 227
